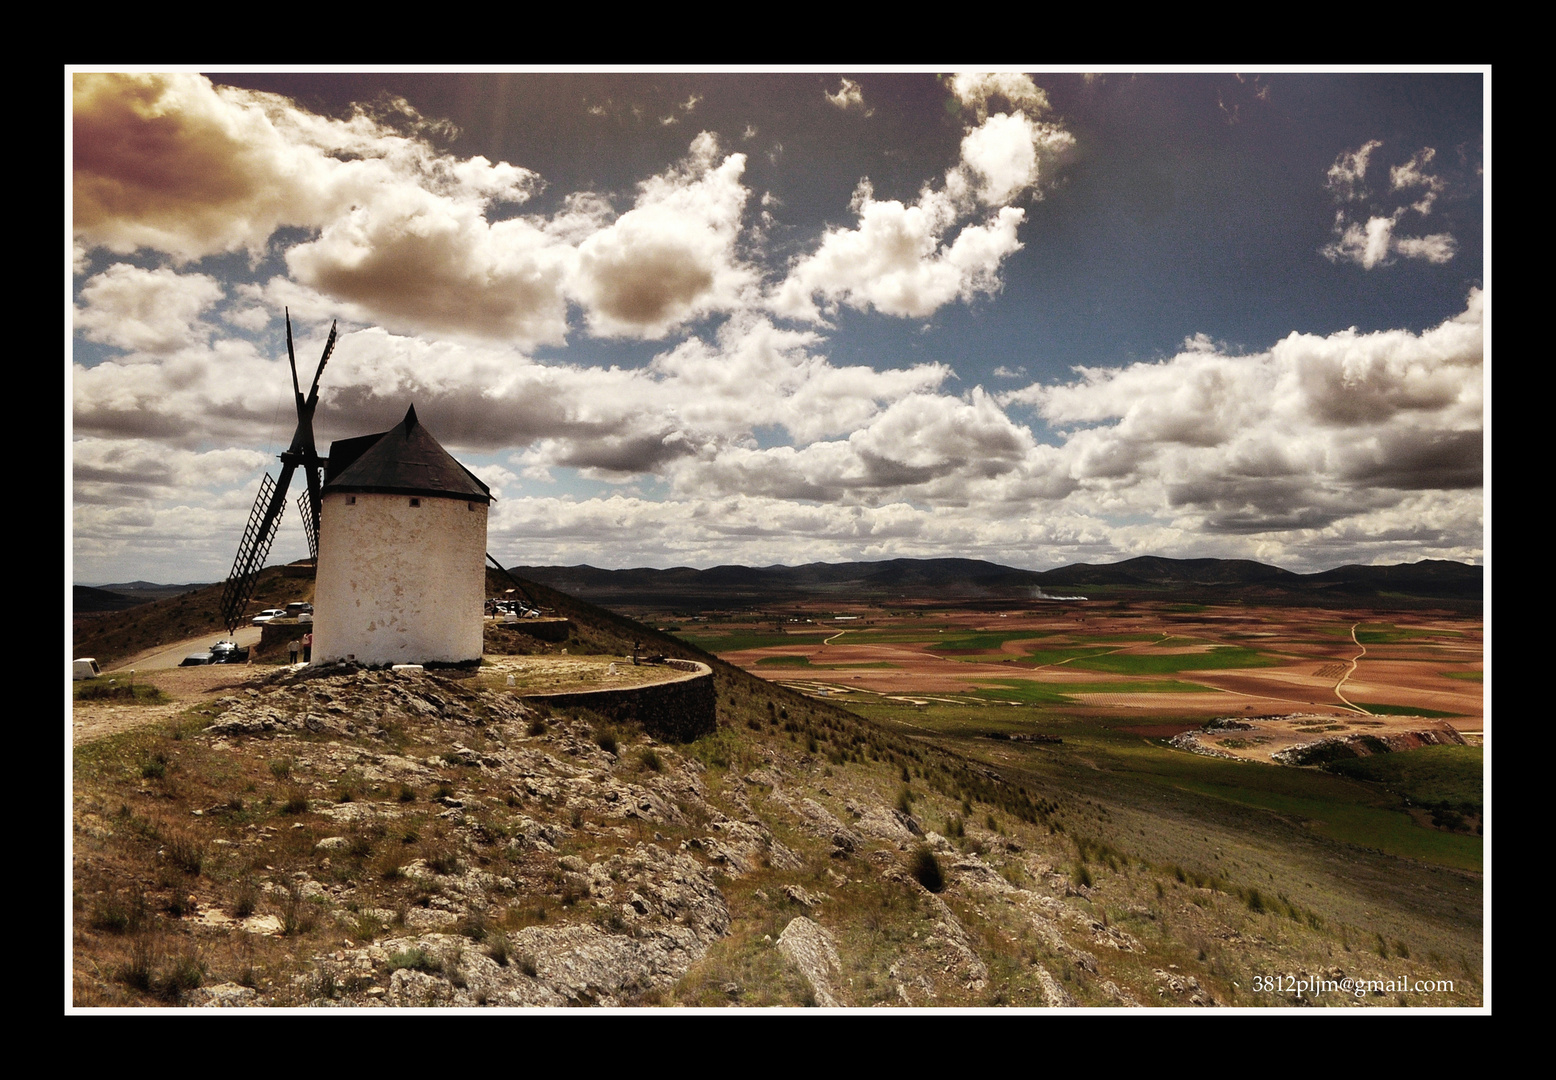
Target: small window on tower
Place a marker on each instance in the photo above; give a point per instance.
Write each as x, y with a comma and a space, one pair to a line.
469, 506
415, 502
351, 500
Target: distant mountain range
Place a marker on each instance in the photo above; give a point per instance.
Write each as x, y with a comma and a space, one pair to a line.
972, 580
967, 581
88, 598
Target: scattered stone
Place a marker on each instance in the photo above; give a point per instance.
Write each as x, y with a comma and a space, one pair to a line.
225, 995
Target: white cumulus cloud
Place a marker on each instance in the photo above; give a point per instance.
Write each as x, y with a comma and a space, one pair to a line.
150, 311
1374, 242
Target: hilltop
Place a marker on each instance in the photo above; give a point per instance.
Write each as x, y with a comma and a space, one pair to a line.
355, 838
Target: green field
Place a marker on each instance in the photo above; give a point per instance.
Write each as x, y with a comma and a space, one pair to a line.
1377, 709
738, 640
1467, 676
807, 662
1031, 692
1064, 653
978, 641
1389, 634
1219, 657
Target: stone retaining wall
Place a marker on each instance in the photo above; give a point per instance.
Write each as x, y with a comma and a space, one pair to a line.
677, 711
541, 629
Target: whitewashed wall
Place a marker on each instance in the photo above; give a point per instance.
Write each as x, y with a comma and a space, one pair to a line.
399, 584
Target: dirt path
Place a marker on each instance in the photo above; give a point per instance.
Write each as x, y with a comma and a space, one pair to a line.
91, 720
1349, 704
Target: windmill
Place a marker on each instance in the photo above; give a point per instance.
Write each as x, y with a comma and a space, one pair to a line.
265, 518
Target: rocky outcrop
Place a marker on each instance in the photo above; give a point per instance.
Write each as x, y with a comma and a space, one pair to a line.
809, 948
1338, 747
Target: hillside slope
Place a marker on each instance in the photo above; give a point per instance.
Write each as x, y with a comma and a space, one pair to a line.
361, 838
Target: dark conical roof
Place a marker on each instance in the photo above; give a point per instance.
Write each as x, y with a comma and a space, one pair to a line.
404, 460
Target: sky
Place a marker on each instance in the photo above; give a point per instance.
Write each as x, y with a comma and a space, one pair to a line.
692, 319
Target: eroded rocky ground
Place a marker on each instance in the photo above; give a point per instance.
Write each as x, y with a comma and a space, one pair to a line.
371, 839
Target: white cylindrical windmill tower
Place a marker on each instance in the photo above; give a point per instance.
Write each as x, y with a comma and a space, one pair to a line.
402, 552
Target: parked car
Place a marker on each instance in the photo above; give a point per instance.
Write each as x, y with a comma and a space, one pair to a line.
223, 652
267, 615
228, 652
84, 668
299, 607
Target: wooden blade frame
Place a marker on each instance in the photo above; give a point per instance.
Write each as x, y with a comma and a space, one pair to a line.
265, 518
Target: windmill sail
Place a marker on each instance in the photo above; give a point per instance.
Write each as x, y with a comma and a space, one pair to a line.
257, 538
306, 507
265, 518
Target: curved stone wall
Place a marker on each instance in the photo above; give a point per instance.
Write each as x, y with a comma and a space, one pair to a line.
679, 710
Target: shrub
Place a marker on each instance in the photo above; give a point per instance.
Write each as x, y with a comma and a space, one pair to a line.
296, 802
113, 690
452, 970
139, 970
366, 927
117, 914
925, 869
245, 898
499, 947
155, 768
185, 973
295, 916
185, 852
443, 859
606, 738
413, 959
1255, 901
905, 800
475, 925
650, 761
281, 768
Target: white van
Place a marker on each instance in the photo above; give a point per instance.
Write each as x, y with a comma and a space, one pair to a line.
85, 668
